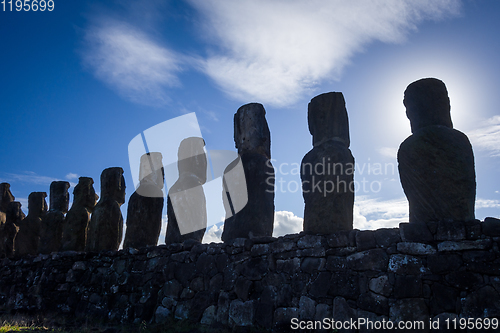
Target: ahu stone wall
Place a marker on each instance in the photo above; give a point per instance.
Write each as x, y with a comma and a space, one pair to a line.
414, 272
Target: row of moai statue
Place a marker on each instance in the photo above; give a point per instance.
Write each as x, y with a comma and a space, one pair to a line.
436, 166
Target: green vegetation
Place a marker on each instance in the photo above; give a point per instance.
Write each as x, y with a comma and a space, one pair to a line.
19, 323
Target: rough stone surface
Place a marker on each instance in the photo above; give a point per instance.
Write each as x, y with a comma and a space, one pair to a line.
28, 237
186, 203
261, 283
74, 235
52, 223
491, 226
436, 163
106, 225
327, 171
9, 229
145, 206
253, 141
6, 198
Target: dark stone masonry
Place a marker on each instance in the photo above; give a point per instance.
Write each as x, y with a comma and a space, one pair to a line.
410, 273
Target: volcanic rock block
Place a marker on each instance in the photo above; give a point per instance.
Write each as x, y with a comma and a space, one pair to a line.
9, 230
253, 141
327, 171
6, 198
186, 203
105, 229
77, 220
436, 163
28, 237
145, 206
52, 223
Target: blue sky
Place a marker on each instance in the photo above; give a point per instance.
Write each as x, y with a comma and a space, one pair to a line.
77, 84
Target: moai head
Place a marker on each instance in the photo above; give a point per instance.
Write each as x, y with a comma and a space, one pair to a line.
84, 193
6, 197
427, 103
14, 212
327, 118
251, 133
113, 184
37, 205
151, 170
59, 196
191, 158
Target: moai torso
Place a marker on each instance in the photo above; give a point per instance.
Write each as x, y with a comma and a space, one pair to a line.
145, 206
327, 171
105, 230
253, 141
186, 203
436, 163
6, 198
28, 237
10, 229
78, 217
52, 223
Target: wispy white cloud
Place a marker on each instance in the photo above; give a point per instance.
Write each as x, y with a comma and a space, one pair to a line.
213, 234
131, 62
30, 178
371, 214
275, 51
487, 203
71, 176
286, 223
388, 152
487, 137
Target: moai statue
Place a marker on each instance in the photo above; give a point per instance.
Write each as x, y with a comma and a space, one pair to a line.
253, 141
10, 229
6, 198
28, 237
145, 206
52, 223
327, 171
105, 230
186, 203
436, 162
77, 220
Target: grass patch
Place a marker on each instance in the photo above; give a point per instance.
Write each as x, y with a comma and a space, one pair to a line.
20, 323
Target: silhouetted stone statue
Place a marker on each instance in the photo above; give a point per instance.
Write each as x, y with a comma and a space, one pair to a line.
28, 237
186, 203
52, 223
436, 163
253, 141
145, 206
10, 229
78, 217
105, 230
6, 198
327, 171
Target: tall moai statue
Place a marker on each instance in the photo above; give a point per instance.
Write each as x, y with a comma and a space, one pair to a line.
436, 162
145, 206
52, 223
10, 229
105, 230
77, 220
327, 171
6, 198
186, 203
28, 237
253, 141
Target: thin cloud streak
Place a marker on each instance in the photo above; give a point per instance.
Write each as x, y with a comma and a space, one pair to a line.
275, 51
30, 177
487, 137
130, 62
